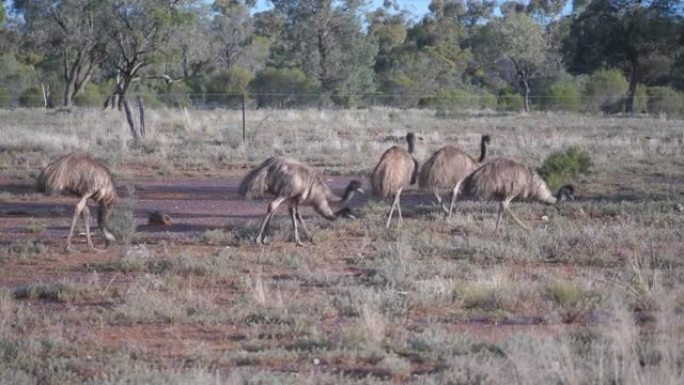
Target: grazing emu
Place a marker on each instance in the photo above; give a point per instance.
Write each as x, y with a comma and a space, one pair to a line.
396, 170
86, 177
503, 180
298, 184
447, 168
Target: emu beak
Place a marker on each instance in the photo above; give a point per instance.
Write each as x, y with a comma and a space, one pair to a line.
360, 190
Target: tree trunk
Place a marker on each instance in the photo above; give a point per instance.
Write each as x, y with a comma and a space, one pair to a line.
526, 94
633, 82
123, 90
68, 94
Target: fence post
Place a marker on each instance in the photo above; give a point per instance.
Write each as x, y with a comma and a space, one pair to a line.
244, 131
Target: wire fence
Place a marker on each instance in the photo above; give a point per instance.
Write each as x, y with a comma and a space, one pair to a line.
445, 104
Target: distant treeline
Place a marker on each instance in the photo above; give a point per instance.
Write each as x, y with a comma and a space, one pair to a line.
605, 55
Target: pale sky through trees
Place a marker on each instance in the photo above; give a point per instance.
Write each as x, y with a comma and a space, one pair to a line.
416, 8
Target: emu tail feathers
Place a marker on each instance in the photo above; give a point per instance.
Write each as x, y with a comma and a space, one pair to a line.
255, 183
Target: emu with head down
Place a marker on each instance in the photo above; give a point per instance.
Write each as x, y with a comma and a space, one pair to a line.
296, 183
87, 178
503, 180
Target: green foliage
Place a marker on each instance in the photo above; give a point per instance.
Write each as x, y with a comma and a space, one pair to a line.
284, 88
177, 95
565, 293
31, 97
122, 222
604, 88
640, 99
5, 97
664, 100
509, 100
564, 166
455, 100
452, 101
90, 96
225, 89
562, 97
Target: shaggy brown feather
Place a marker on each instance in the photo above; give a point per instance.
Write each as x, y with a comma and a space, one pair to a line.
296, 183
78, 174
445, 168
504, 180
396, 169
87, 178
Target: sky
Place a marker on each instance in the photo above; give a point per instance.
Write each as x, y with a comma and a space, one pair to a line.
415, 7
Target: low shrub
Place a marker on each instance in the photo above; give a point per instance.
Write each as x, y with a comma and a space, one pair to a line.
563, 166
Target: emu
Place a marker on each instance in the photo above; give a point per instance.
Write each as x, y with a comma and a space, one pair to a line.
447, 168
87, 178
503, 180
297, 184
396, 170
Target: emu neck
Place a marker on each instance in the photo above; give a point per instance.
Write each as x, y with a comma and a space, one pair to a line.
348, 196
411, 146
102, 217
483, 151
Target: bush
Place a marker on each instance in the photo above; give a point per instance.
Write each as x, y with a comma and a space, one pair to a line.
561, 167
640, 99
562, 97
90, 96
664, 100
178, 95
509, 100
5, 98
31, 97
605, 90
149, 96
487, 100
226, 88
284, 88
453, 101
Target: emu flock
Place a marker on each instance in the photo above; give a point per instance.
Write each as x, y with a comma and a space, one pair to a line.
297, 184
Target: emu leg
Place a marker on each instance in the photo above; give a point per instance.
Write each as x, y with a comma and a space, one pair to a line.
440, 202
304, 227
86, 220
454, 195
293, 216
271, 209
498, 217
394, 203
77, 212
518, 221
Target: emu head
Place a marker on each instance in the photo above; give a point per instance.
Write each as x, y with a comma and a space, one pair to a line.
354, 186
485, 139
103, 213
346, 212
566, 193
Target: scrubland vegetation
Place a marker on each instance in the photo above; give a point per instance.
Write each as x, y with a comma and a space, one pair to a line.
594, 294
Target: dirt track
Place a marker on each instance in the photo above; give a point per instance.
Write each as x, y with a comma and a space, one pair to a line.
194, 204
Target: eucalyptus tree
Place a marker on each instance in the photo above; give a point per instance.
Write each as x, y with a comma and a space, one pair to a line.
65, 31
430, 58
138, 33
326, 40
515, 47
636, 36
